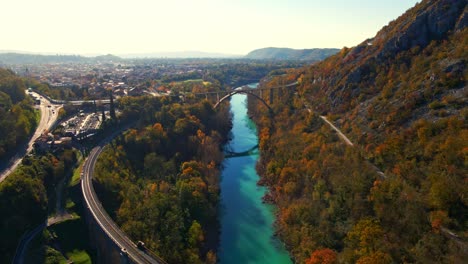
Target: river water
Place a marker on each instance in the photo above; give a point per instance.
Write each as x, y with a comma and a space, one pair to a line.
246, 223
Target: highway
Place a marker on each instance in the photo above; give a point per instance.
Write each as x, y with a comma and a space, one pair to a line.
100, 215
48, 116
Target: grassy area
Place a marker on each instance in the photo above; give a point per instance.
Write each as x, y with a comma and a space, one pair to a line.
76, 175
38, 116
193, 80
73, 203
70, 205
39, 252
79, 257
72, 239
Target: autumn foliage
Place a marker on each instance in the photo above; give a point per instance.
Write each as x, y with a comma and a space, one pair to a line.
406, 115
160, 181
322, 256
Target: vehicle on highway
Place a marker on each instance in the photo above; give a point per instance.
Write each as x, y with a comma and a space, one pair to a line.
124, 252
141, 245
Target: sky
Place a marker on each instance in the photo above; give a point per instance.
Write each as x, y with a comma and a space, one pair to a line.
222, 26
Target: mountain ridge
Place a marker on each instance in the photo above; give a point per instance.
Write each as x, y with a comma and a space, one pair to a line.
401, 98
273, 53
32, 58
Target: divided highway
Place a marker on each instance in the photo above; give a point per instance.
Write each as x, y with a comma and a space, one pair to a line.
102, 218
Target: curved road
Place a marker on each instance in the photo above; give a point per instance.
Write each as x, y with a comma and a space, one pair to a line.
48, 116
100, 215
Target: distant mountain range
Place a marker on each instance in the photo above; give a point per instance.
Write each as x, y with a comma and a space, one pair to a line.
30, 58
24, 57
180, 54
20, 57
291, 54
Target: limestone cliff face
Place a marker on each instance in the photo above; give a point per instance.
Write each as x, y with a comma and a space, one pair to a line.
430, 20
355, 72
415, 67
427, 21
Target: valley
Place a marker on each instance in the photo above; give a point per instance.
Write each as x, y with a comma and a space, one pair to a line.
284, 155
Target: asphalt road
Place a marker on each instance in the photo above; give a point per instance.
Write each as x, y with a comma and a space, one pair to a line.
100, 215
25, 240
48, 116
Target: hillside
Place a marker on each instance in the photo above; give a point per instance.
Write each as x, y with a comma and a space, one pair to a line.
178, 55
20, 58
401, 98
291, 54
17, 115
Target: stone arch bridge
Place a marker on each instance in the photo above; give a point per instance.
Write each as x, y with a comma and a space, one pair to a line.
265, 95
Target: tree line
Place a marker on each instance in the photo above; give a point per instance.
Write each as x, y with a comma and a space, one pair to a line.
18, 119
160, 180
26, 195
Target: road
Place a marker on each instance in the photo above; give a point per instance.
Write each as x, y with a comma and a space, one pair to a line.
48, 116
350, 143
28, 237
25, 240
99, 213
342, 136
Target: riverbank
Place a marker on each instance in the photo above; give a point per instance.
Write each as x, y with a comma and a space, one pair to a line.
247, 224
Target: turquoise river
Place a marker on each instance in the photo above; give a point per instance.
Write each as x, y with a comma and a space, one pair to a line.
246, 223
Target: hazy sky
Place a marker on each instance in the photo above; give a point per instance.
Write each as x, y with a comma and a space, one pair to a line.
224, 26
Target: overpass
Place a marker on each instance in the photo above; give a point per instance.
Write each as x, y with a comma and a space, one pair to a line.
112, 244
72, 102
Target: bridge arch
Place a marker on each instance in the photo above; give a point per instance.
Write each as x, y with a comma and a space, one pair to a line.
229, 95
231, 154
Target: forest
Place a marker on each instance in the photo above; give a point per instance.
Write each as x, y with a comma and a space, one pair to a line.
18, 119
159, 180
406, 115
27, 195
